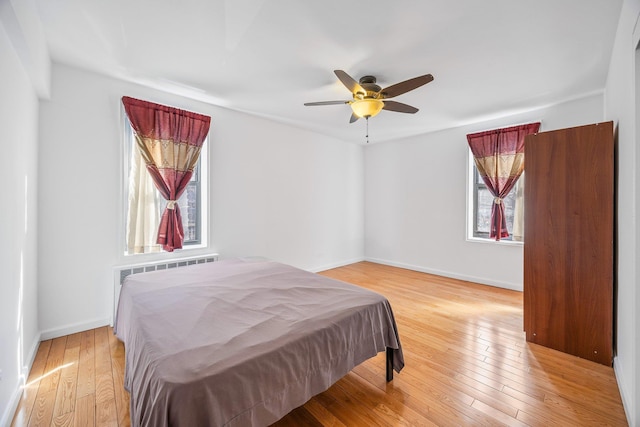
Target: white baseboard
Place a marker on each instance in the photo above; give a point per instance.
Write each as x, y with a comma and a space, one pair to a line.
32, 356
627, 402
7, 416
335, 265
76, 327
10, 410
452, 275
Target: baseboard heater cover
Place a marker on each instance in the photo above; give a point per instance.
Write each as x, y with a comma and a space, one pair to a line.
121, 272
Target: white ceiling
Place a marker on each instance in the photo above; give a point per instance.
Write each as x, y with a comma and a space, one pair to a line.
490, 58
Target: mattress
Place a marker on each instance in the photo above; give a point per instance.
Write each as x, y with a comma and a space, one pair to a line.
241, 342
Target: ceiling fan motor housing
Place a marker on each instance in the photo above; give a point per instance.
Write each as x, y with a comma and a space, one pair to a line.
368, 83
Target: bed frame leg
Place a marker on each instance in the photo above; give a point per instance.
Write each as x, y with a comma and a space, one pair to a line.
389, 364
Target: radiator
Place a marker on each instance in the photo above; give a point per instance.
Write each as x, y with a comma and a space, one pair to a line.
121, 272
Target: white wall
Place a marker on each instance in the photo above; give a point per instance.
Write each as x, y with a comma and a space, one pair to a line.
275, 191
622, 101
416, 192
285, 193
19, 333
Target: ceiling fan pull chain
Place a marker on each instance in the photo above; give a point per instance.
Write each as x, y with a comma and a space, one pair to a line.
367, 118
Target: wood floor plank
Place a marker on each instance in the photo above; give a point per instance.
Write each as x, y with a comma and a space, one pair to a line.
324, 416
349, 410
121, 396
66, 394
389, 410
498, 415
106, 412
467, 363
86, 365
42, 412
51, 376
30, 390
299, 417
85, 413
62, 420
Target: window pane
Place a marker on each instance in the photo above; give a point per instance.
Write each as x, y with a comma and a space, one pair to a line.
509, 204
478, 177
483, 216
189, 209
196, 173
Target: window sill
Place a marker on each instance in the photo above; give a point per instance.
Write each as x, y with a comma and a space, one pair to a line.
186, 251
494, 242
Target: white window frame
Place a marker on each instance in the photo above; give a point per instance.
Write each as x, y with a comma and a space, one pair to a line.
471, 208
203, 164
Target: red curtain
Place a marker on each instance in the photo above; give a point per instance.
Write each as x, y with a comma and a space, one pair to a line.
499, 158
170, 141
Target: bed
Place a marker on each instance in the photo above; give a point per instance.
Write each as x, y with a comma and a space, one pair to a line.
241, 342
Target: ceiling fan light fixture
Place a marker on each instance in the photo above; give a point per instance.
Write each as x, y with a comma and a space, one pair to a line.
367, 107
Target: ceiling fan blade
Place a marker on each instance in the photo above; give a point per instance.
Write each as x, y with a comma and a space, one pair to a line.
406, 86
399, 107
310, 104
353, 118
349, 82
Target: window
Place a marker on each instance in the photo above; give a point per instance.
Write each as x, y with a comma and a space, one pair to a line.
189, 204
481, 201
144, 204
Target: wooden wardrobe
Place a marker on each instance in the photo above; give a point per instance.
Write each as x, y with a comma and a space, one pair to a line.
568, 240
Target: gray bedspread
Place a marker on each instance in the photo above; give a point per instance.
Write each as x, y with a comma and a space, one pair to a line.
242, 341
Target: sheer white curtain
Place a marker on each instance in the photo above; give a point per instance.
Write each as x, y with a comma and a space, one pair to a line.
518, 211
143, 217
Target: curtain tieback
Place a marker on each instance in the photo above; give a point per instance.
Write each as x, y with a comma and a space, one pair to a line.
497, 200
171, 204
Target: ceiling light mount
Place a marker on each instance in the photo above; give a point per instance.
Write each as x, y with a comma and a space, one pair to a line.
369, 84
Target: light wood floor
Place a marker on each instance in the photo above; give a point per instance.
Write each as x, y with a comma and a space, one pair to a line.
467, 363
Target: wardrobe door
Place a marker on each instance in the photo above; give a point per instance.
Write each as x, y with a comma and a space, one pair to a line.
568, 249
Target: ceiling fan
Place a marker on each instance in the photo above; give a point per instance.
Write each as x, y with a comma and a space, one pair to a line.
369, 98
